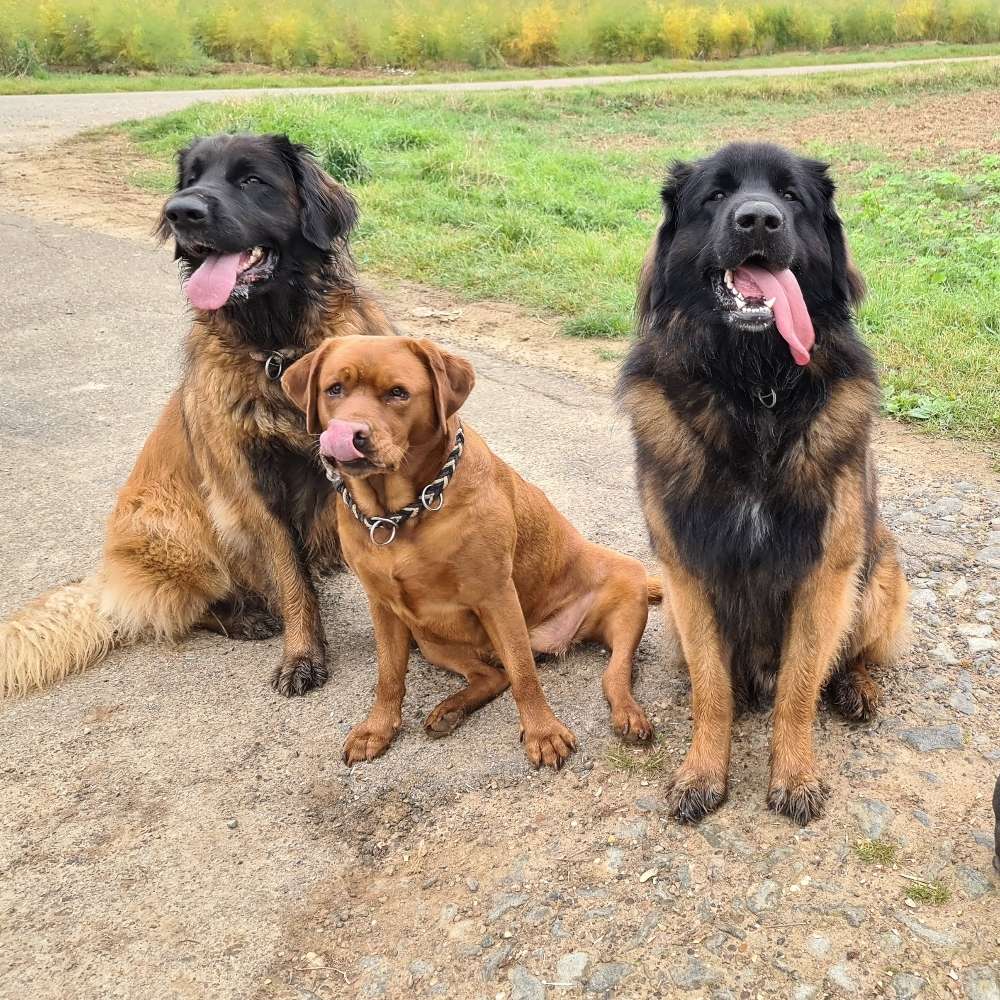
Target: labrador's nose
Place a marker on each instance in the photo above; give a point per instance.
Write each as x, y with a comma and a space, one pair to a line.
345, 440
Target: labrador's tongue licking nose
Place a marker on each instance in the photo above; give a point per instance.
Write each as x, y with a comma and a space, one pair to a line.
790, 314
212, 284
337, 441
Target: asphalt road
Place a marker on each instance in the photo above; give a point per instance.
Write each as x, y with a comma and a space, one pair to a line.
30, 121
117, 785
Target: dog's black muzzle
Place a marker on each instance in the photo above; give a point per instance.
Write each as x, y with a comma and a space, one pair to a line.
757, 228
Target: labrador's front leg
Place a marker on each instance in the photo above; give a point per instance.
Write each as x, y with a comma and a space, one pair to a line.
546, 740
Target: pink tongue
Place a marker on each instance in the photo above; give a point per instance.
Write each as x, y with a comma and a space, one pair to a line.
212, 284
791, 316
337, 441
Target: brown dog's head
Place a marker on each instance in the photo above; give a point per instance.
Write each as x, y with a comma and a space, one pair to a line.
373, 399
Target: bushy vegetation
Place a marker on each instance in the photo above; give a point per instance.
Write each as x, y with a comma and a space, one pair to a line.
549, 199
111, 35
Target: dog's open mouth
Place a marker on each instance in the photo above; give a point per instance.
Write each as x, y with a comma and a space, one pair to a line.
220, 275
753, 297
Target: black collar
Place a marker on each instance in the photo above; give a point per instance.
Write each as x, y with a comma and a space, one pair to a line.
275, 362
431, 497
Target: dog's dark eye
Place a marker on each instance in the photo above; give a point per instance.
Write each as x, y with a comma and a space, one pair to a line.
717, 196
336, 389
248, 181
789, 195
398, 392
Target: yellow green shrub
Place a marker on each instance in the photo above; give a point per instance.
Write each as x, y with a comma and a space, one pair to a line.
165, 34
682, 30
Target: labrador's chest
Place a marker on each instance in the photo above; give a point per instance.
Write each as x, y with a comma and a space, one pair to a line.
423, 581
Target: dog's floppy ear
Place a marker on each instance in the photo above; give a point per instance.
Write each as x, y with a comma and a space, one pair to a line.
452, 378
301, 383
328, 212
848, 282
652, 280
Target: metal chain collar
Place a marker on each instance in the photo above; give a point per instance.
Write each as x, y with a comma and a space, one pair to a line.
431, 497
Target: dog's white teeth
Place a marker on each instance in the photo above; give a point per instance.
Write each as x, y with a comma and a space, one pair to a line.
769, 303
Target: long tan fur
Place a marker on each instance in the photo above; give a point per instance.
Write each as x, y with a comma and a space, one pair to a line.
60, 633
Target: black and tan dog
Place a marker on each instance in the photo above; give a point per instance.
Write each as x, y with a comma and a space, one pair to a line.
751, 399
226, 507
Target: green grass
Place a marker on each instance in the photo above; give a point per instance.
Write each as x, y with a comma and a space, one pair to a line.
549, 199
876, 852
253, 79
638, 761
932, 893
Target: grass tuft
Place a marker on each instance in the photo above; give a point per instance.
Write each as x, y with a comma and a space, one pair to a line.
598, 323
344, 161
876, 852
932, 893
638, 761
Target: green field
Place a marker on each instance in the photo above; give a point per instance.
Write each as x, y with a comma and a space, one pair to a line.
251, 78
549, 199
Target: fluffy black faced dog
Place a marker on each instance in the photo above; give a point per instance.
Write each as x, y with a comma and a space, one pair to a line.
752, 399
227, 511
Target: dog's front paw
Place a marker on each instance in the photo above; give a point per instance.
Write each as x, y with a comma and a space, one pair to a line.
691, 795
800, 798
549, 743
366, 742
299, 674
630, 722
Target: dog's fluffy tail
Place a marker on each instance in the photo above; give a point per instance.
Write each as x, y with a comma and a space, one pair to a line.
654, 589
59, 633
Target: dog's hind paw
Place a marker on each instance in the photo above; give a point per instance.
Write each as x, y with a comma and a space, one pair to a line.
691, 797
630, 723
444, 720
299, 674
801, 800
855, 695
254, 626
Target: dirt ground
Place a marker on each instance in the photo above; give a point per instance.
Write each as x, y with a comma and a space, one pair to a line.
172, 829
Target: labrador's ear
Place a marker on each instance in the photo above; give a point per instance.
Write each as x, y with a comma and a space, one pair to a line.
452, 378
328, 211
301, 384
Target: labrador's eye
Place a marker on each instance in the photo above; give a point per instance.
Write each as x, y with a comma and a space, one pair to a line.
250, 181
789, 195
717, 196
398, 392
337, 389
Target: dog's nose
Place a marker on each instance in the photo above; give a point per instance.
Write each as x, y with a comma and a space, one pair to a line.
345, 440
186, 210
759, 217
